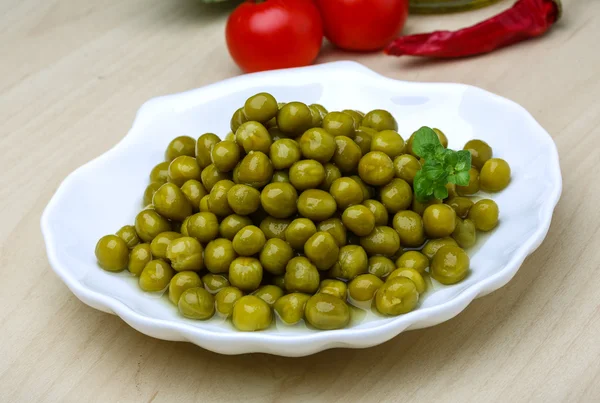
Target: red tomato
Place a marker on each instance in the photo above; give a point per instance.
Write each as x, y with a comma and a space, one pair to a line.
362, 24
274, 34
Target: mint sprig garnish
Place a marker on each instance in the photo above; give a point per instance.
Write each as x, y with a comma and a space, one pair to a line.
442, 166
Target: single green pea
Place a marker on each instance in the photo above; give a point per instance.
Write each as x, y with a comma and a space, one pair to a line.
182, 145
211, 175
261, 107
306, 174
357, 117
128, 234
414, 260
203, 207
465, 233
218, 255
316, 205
156, 276
317, 144
379, 211
225, 155
160, 173
412, 275
161, 242
383, 240
181, 282
364, 287
237, 119
282, 176
217, 199
226, 299
461, 205
149, 193
245, 273
332, 172
473, 185
433, 245
203, 226
197, 303
327, 312
294, 118
251, 313
255, 169
484, 214
347, 154
363, 138
376, 168
290, 307
409, 226
274, 227
139, 256
396, 195
380, 266
279, 200
112, 253
249, 241
494, 175
232, 224
275, 256
379, 120
439, 220
185, 254
253, 136
336, 228
322, 249
213, 283
406, 167
317, 112
182, 169
337, 288
301, 276
299, 231
269, 293
396, 296
352, 261
389, 142
339, 124
449, 265
359, 220
480, 151
148, 224
346, 192
243, 199
194, 191
284, 153
170, 202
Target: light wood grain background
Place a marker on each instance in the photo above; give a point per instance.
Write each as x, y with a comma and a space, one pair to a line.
72, 75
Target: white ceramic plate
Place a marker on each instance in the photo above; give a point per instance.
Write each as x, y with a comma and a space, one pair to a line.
105, 194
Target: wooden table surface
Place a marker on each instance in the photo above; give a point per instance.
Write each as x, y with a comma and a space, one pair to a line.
72, 75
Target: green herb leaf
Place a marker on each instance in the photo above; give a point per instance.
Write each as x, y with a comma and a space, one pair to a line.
462, 178
433, 172
425, 143
441, 166
440, 192
451, 158
464, 160
422, 186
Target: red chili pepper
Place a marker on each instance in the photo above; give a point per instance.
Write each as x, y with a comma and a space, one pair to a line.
526, 19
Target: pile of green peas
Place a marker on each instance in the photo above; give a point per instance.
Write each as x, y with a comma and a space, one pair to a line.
300, 211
